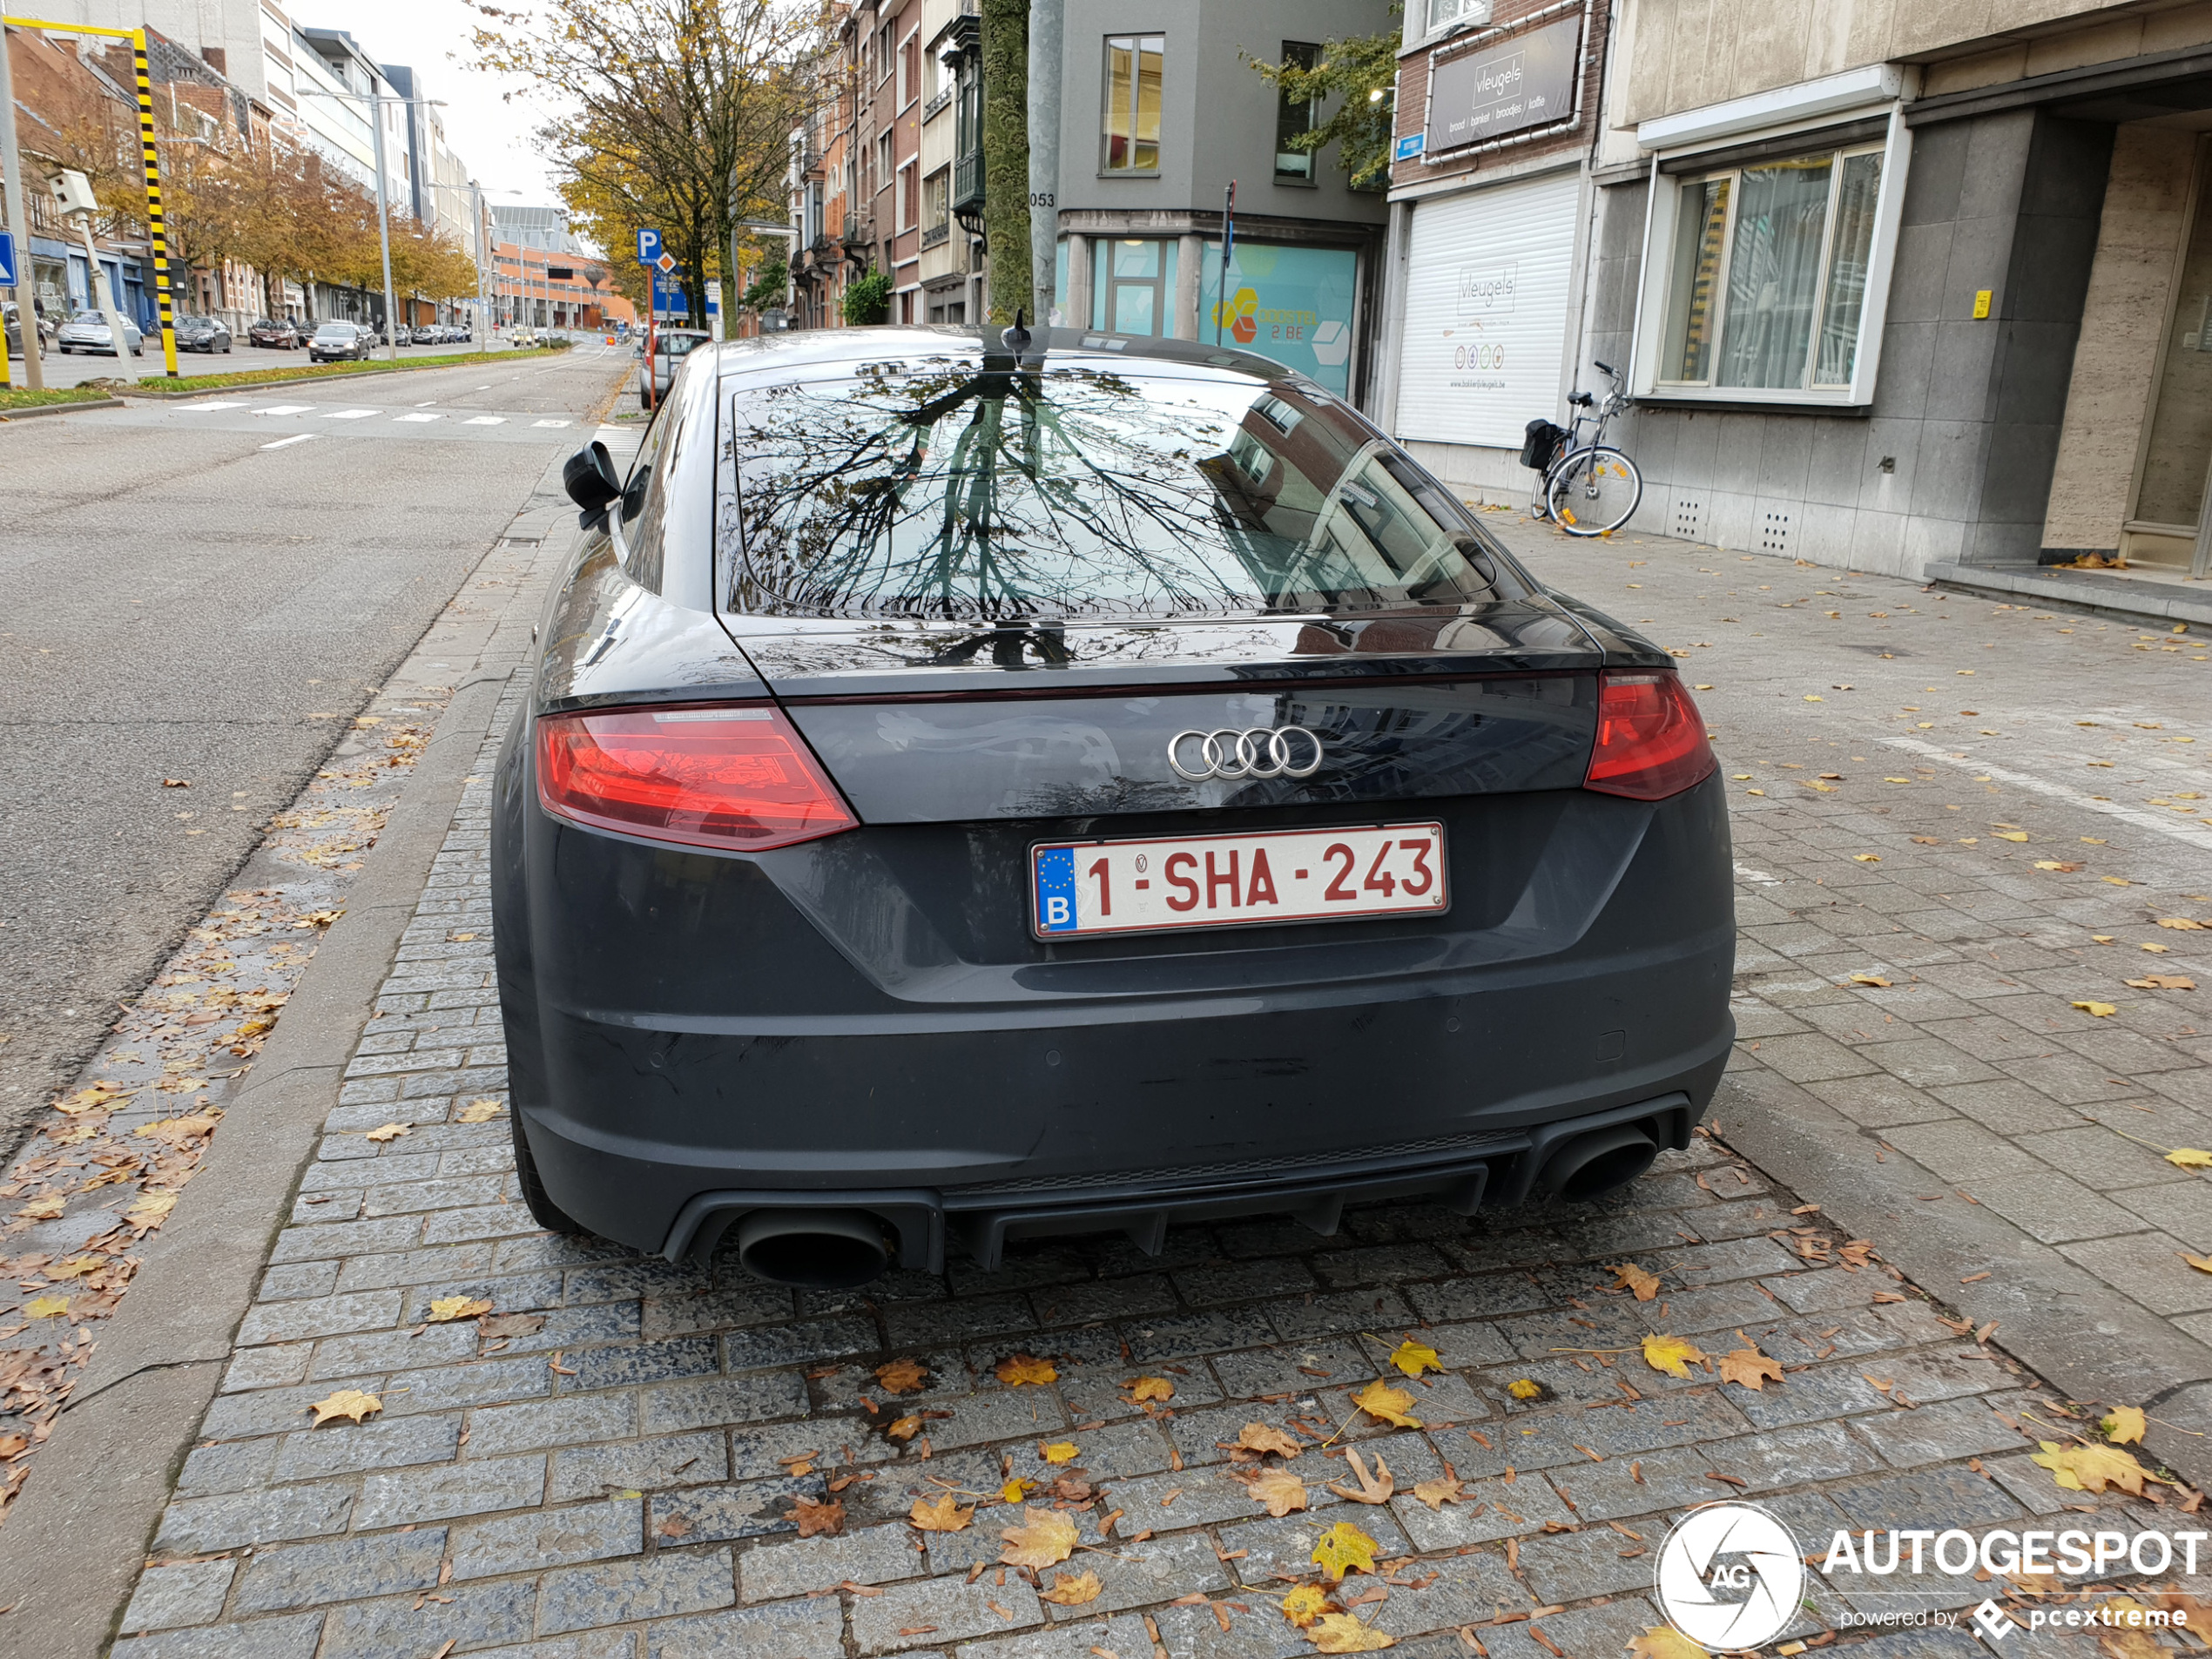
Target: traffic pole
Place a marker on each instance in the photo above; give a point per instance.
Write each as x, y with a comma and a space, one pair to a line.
18, 227
157, 230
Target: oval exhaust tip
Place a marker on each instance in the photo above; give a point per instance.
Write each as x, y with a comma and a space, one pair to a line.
1594, 1165
812, 1250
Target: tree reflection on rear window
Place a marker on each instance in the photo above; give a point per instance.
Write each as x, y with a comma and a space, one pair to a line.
940, 489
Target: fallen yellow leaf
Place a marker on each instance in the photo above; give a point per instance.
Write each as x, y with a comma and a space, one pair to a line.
1046, 1539
99, 1095
1378, 1400
2098, 1010
1278, 1489
2202, 1263
347, 1403
1445, 1488
1866, 858
1305, 1604
900, 1376
2010, 835
1874, 980
1670, 1354
1344, 1633
1628, 1276
2190, 1157
446, 1308
151, 1209
46, 1209
906, 1427
478, 1111
1375, 1485
388, 1132
1072, 1589
1665, 1641
1749, 1367
1016, 1369
46, 1307
2180, 924
2091, 1469
2163, 982
1263, 1438
1061, 1452
1524, 1389
1017, 1489
1343, 1547
1414, 1358
944, 1515
2125, 1424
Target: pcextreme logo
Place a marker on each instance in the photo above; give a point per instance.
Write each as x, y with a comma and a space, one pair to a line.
1730, 1576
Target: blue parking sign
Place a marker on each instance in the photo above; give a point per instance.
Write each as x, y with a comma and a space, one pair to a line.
7, 260
648, 245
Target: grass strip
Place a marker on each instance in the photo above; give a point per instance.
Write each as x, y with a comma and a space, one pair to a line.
23, 398
193, 384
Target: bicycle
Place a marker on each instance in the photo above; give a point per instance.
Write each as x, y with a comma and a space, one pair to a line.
1589, 489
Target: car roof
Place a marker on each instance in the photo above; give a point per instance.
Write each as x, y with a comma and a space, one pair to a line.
818, 354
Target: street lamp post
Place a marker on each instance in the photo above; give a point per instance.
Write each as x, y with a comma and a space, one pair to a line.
376, 103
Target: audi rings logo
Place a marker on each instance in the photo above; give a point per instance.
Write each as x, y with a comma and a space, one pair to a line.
1730, 1576
1287, 752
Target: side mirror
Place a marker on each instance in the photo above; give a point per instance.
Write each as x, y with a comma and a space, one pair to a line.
589, 476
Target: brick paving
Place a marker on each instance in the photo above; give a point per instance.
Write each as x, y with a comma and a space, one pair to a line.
609, 1468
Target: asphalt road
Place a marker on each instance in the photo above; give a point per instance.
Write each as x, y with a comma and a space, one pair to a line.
207, 595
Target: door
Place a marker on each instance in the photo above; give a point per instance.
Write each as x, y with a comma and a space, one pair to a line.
2169, 525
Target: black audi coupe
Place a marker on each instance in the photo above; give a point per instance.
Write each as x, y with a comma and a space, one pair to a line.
979, 784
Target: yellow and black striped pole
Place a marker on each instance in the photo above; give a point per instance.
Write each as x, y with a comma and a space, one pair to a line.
156, 227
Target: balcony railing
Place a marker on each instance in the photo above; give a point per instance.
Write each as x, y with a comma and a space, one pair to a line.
967, 180
932, 234
858, 229
941, 100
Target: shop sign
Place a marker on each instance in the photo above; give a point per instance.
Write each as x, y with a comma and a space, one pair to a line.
1526, 82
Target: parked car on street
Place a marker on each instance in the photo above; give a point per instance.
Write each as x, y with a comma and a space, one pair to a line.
202, 334
1082, 791
670, 346
335, 342
428, 334
11, 320
277, 332
87, 332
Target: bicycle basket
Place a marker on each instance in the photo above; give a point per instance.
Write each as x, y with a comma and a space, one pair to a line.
1541, 447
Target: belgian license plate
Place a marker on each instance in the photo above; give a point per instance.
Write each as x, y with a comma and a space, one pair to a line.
1086, 888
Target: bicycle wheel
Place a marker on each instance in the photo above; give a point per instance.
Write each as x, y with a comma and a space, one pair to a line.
1594, 490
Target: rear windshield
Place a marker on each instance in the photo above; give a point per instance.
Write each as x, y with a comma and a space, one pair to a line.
935, 488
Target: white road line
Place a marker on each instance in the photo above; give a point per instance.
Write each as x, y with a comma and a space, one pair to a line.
349, 414
2195, 836
548, 423
203, 408
297, 437
485, 420
286, 408
426, 403
417, 417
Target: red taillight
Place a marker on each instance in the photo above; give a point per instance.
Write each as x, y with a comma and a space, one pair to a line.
1650, 739
735, 777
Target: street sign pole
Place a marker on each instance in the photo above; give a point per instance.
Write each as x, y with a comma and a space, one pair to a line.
384, 227
18, 227
647, 253
157, 229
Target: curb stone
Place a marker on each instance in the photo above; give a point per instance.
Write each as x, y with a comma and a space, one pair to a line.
36, 409
78, 1534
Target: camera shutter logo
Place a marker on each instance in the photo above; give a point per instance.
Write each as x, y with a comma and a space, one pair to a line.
1730, 1576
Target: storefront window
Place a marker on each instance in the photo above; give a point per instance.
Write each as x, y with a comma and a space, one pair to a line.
1133, 70
1292, 304
1134, 285
1768, 284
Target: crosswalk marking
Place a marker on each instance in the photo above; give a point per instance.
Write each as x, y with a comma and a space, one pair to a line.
485, 420
202, 409
548, 423
349, 414
297, 437
286, 408
419, 417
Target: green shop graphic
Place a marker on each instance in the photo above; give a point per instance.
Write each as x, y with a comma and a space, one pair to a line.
1291, 304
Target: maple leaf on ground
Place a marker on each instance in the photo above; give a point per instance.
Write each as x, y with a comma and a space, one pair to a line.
388, 1132
902, 1376
1072, 1589
447, 1308
1145, 1388
2091, 1469
1665, 1641
1525, 1389
1671, 1355
906, 1428
2125, 1424
1414, 1358
1060, 1452
2202, 1263
151, 1209
1874, 980
2188, 1157
1305, 1604
1629, 1277
1379, 1401
1749, 1367
1343, 1547
1344, 1633
1277, 1488
1374, 1487
478, 1111
2097, 1010
46, 1307
812, 1516
347, 1403
1019, 1368
1017, 1489
1263, 1438
2163, 982
512, 1325
1046, 1539
1443, 1490
944, 1515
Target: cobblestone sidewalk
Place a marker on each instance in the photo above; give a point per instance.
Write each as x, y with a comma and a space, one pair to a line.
609, 1461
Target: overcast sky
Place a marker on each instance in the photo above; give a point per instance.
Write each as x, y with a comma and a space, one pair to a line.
491, 134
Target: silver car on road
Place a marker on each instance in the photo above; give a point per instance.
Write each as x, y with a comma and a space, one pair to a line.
87, 331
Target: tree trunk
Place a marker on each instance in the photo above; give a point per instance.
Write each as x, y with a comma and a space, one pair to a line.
1006, 155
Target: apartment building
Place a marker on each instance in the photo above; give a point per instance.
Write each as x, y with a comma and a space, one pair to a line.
1925, 290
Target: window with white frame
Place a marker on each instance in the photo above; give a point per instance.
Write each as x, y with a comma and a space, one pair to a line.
1133, 65
1444, 14
1768, 280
